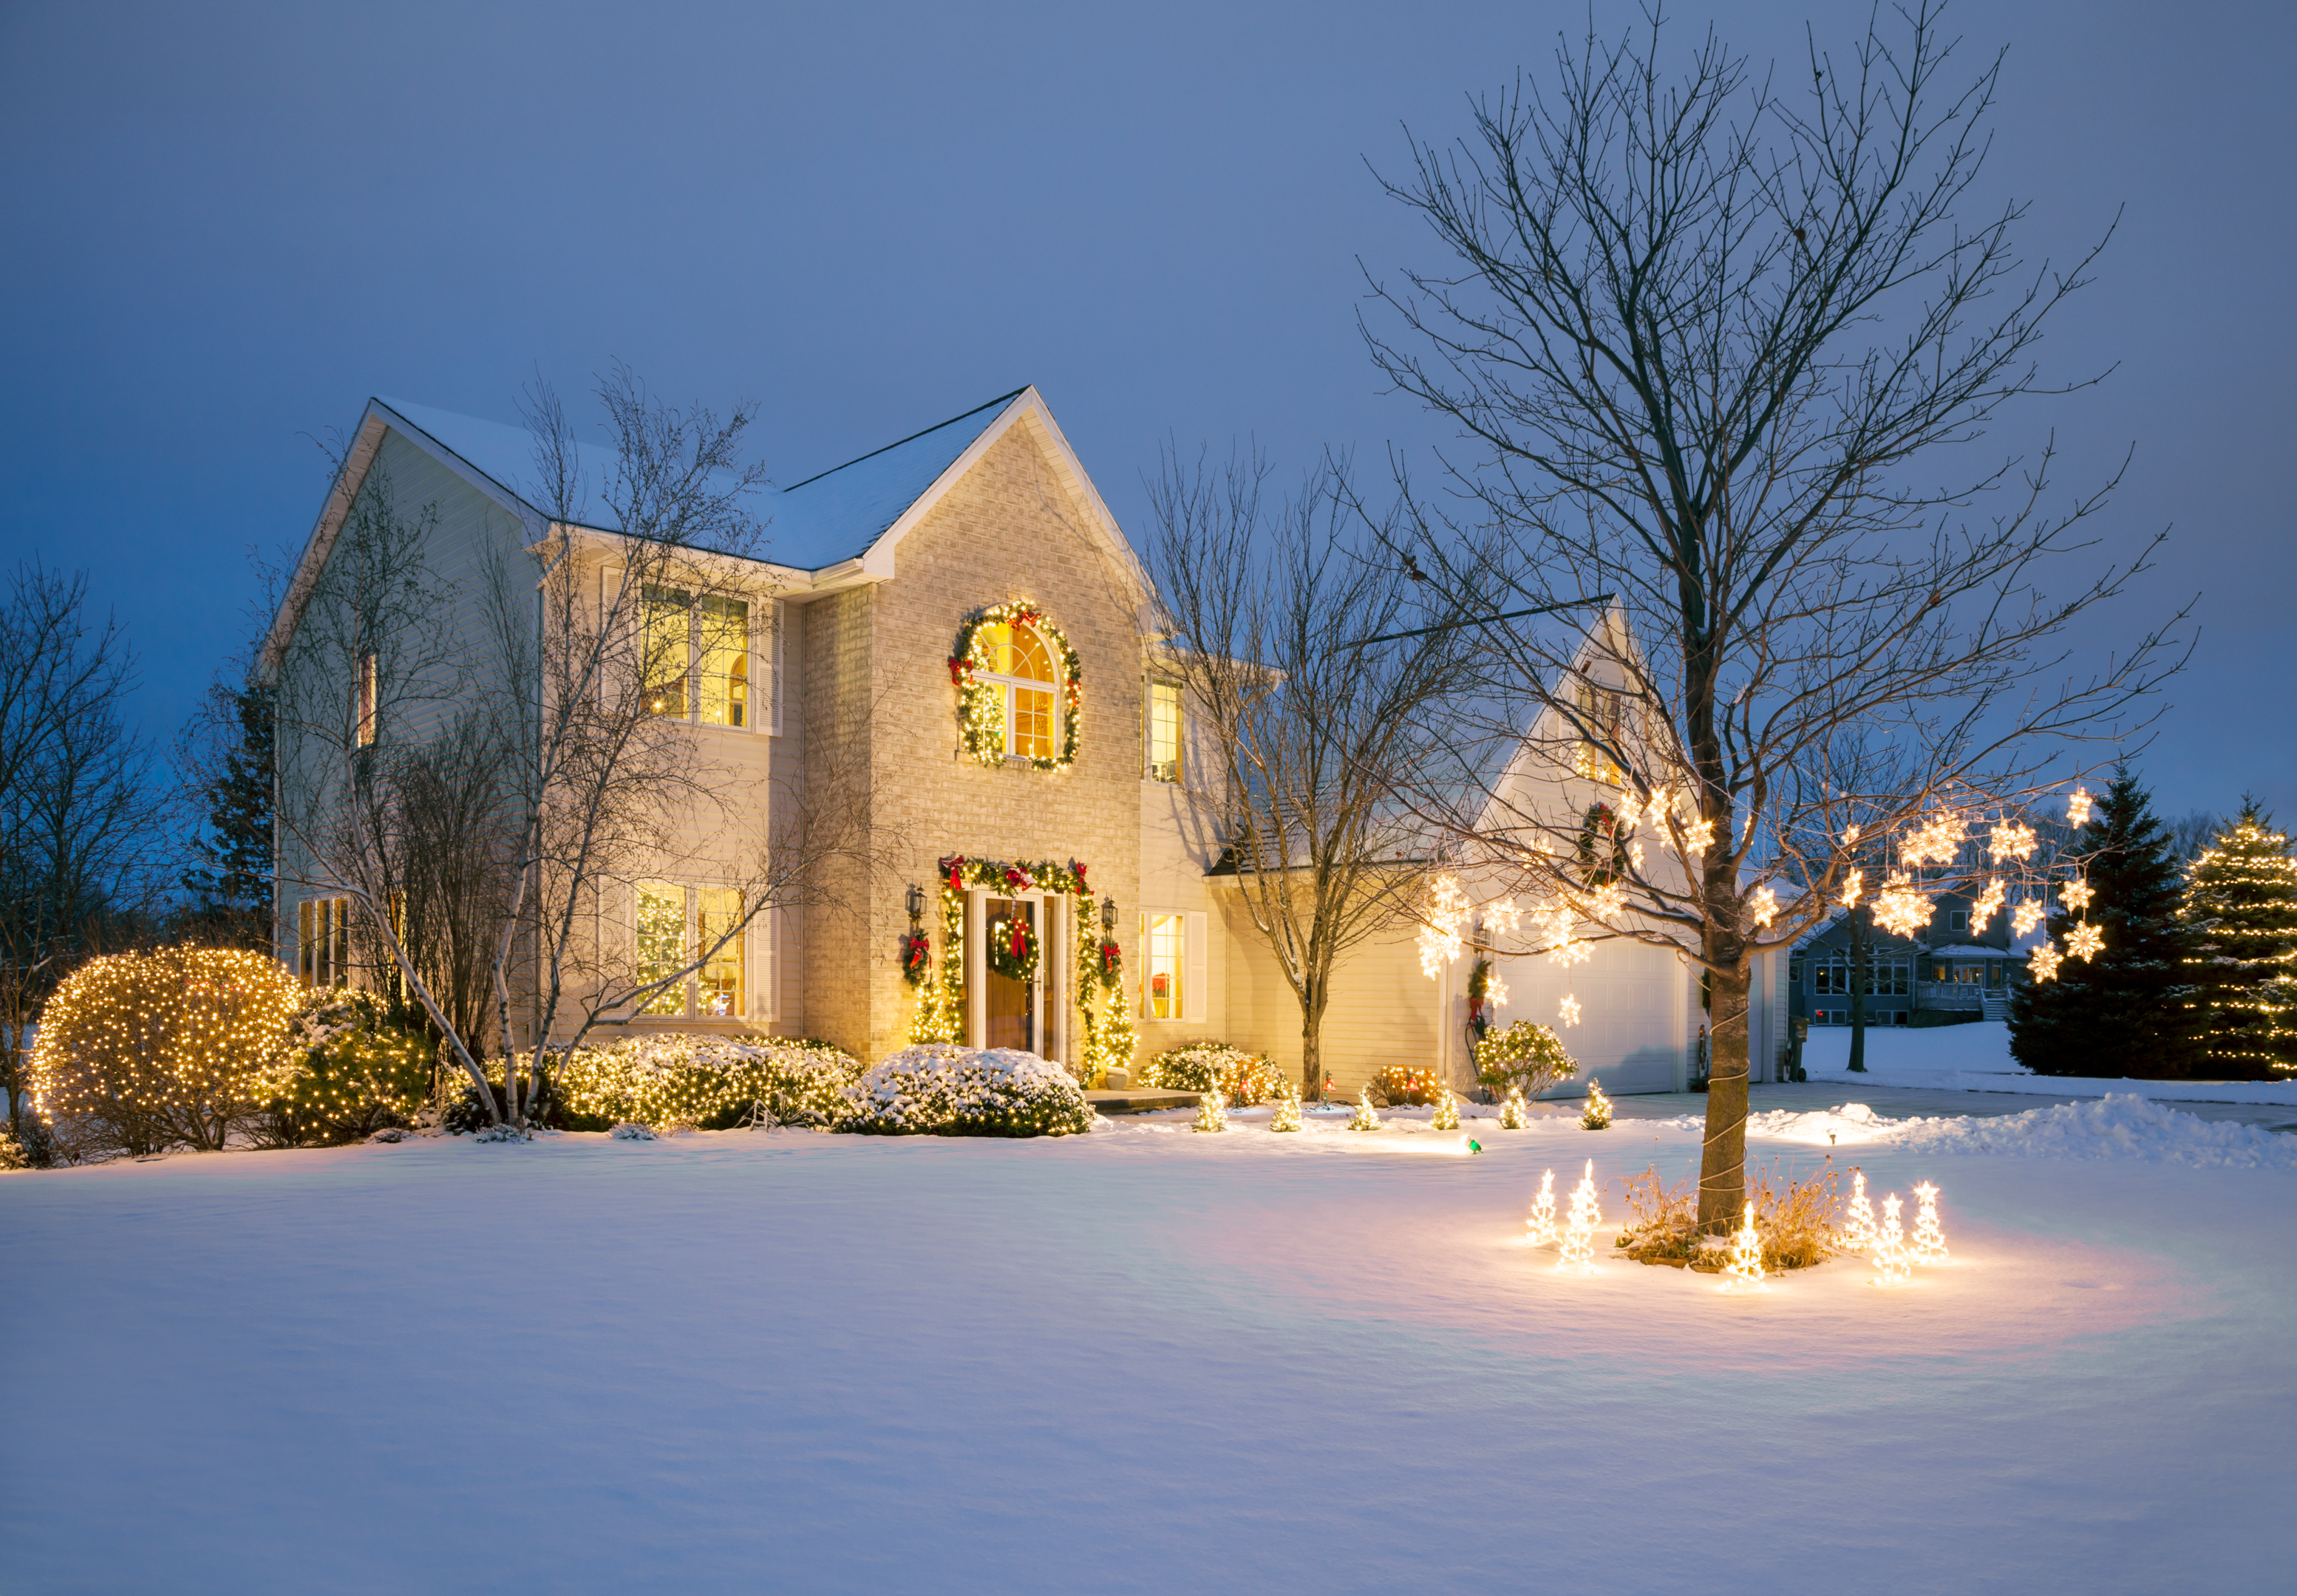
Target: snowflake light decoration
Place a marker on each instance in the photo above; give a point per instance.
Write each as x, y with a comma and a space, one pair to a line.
1763, 908
1440, 937
1606, 902
1503, 915
1937, 842
1989, 902
2011, 840
2076, 893
1850, 836
1495, 991
1699, 836
2044, 962
2025, 916
2083, 940
2078, 807
1852, 888
1570, 1010
1899, 909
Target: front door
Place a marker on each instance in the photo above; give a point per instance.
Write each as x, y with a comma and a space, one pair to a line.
1011, 1008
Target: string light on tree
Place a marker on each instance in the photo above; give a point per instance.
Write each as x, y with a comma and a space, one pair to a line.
2083, 940
1746, 1265
1930, 1241
1891, 1259
1936, 842
1439, 934
1446, 1116
1989, 903
1515, 1114
1539, 1227
2011, 840
2240, 900
1899, 908
1211, 1112
1285, 1115
1853, 885
1598, 1113
1579, 1225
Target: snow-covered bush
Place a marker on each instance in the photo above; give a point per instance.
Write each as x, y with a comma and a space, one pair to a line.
939, 1089
631, 1131
712, 1082
1244, 1079
1527, 1056
356, 1067
140, 1052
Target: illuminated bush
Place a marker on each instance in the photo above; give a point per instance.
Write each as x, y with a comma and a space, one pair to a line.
712, 1082
1398, 1084
353, 1071
1243, 1078
1526, 1056
139, 1052
939, 1089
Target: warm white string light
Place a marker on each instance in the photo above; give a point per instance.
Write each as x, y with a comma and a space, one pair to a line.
1852, 887
1580, 1227
2011, 840
1569, 1012
2083, 940
1286, 1114
1901, 907
1446, 1116
1746, 1265
1763, 908
1858, 1228
2044, 962
1930, 1241
1515, 1114
2025, 916
1211, 1112
2078, 807
1539, 1226
1989, 903
1890, 1256
1365, 1117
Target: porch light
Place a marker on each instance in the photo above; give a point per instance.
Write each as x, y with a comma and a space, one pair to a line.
1108, 915
916, 902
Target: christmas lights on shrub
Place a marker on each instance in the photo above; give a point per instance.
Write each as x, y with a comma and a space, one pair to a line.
1597, 1115
1515, 1114
1365, 1117
1211, 1112
1446, 1116
1286, 1115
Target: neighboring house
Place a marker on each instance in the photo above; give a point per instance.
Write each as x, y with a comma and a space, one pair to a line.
1946, 972
869, 573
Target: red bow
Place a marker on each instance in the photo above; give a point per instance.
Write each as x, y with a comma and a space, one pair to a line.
956, 867
1020, 946
957, 670
1014, 878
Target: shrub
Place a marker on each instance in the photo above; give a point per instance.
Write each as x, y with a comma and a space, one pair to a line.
140, 1052
357, 1068
939, 1089
712, 1082
1527, 1056
1398, 1084
1794, 1217
1244, 1079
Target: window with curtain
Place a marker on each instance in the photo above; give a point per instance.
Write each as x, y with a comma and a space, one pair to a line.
1021, 666
1164, 731
675, 924
1165, 941
722, 653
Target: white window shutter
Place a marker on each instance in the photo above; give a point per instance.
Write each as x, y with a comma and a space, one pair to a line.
1193, 996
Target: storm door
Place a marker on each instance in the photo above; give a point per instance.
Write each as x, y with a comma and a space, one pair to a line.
1013, 1011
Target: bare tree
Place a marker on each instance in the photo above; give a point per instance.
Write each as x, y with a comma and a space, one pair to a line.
1304, 733
1698, 334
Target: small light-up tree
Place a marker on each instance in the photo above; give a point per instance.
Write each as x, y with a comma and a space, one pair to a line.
1929, 1240
1365, 1117
1540, 1226
2240, 904
1579, 1225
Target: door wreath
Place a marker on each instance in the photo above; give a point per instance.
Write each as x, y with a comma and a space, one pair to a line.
1012, 948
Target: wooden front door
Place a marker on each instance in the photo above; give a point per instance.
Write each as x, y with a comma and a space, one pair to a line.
1012, 1010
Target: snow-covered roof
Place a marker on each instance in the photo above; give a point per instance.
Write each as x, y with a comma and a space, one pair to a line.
1969, 950
831, 517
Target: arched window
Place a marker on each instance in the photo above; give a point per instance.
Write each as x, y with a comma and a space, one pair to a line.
1021, 667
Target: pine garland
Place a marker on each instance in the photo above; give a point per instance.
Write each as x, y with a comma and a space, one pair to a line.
981, 704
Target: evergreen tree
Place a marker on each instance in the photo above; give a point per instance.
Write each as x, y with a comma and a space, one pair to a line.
2240, 904
2128, 1009
231, 886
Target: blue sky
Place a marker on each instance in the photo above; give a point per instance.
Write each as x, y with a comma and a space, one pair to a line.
229, 224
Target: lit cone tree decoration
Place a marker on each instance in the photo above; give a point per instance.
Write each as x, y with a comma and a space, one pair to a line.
1930, 1241
1597, 1115
1365, 1117
1446, 1116
1858, 1229
1746, 1265
1539, 1227
1286, 1114
1580, 1227
2241, 899
1515, 1114
1211, 1112
1892, 1261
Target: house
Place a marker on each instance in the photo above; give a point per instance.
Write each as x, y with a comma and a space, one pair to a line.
957, 618
1944, 973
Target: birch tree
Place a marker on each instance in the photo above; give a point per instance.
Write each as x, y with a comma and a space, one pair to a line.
1722, 348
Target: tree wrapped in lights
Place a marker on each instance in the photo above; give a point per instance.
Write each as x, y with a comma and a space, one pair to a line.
1597, 1115
1684, 428
1211, 1112
1580, 1227
2241, 903
1286, 1115
1746, 1265
1446, 1114
1515, 1114
2122, 1001
1365, 1117
1539, 1225
1929, 1240
140, 1052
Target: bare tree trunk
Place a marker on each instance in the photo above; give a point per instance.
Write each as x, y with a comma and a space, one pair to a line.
1722, 1158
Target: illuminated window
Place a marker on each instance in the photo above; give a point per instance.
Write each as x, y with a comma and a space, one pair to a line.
1020, 664
1165, 938
1600, 717
323, 941
695, 655
677, 925
363, 702
1164, 731
723, 647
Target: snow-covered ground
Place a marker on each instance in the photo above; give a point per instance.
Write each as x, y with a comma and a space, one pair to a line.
1143, 1360
1976, 1057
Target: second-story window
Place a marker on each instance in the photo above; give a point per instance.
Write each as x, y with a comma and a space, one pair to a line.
696, 656
1164, 731
1022, 668
363, 693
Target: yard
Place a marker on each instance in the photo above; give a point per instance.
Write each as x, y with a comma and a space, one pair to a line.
1141, 1360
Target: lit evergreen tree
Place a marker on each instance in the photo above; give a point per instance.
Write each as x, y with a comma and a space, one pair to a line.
2241, 903
2128, 1009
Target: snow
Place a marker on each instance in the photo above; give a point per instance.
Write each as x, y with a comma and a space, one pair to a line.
1139, 1360
1976, 1057
2117, 1126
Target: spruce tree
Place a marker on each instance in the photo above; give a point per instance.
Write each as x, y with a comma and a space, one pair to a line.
2127, 1010
231, 885
2241, 905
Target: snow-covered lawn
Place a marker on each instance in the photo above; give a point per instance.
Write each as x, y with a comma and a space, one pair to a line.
1142, 1359
1976, 1057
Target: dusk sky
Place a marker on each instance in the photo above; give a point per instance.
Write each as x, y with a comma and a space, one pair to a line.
227, 226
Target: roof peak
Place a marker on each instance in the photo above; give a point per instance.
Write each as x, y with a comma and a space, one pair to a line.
997, 403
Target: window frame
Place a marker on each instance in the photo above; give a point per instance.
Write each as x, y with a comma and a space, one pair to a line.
688, 1006
1178, 1001
1166, 770
696, 633
323, 940
1010, 686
